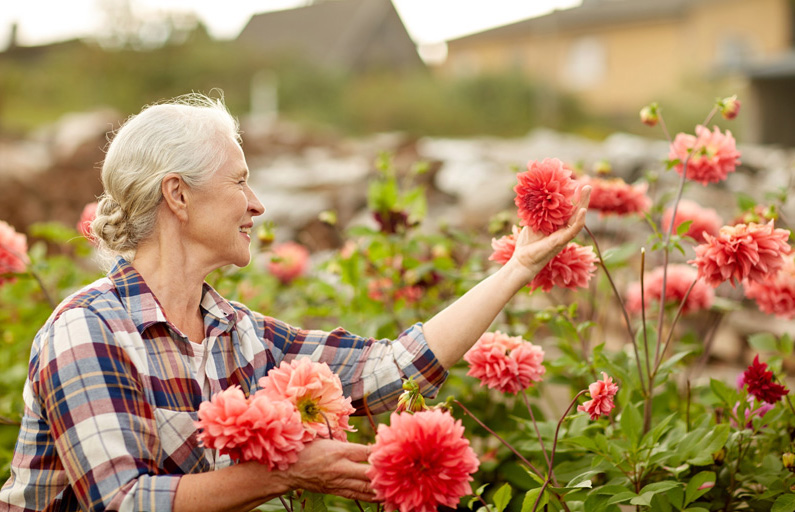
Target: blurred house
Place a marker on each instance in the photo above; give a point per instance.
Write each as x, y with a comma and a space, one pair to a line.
618, 55
346, 35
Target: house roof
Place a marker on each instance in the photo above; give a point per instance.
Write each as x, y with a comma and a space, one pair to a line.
592, 13
339, 32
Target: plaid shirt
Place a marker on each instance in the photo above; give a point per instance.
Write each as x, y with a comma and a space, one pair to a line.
111, 398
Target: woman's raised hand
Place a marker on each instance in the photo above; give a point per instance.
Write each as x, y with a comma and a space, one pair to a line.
534, 250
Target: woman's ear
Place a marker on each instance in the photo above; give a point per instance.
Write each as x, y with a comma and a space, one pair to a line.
175, 195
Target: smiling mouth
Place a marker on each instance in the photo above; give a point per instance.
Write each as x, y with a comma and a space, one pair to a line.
247, 231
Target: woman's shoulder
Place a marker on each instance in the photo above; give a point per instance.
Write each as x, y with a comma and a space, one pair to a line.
99, 298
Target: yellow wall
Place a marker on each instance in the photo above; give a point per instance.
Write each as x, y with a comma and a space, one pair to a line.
643, 61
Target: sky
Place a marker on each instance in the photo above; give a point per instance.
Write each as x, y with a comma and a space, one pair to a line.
427, 21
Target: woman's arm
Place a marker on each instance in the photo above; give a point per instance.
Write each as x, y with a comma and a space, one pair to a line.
324, 466
456, 328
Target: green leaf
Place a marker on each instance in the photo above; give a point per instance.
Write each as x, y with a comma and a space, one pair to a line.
502, 497
723, 392
655, 487
313, 502
530, 499
681, 229
631, 424
692, 492
763, 341
784, 503
744, 201
616, 256
709, 444
622, 497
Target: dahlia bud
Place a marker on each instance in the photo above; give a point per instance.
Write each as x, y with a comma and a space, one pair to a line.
788, 459
650, 115
328, 217
265, 233
729, 107
719, 456
411, 400
602, 168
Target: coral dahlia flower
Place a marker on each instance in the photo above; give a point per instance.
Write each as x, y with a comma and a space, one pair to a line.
421, 461
713, 155
759, 381
506, 363
504, 247
290, 261
602, 393
571, 268
13, 251
86, 218
616, 197
704, 220
316, 392
775, 294
740, 252
256, 429
678, 281
545, 195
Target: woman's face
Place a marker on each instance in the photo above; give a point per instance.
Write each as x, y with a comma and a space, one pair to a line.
221, 212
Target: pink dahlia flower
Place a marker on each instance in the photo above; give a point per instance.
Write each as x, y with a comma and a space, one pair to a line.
775, 294
276, 433
704, 220
86, 218
602, 393
571, 268
507, 364
421, 461
259, 429
713, 155
545, 195
740, 252
678, 281
290, 260
503, 247
616, 197
13, 251
316, 392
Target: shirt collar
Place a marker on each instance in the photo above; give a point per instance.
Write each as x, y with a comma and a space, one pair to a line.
144, 308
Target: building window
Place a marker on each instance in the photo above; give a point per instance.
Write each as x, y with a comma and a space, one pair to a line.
586, 63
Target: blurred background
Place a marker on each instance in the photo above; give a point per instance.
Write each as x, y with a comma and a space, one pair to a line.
309, 74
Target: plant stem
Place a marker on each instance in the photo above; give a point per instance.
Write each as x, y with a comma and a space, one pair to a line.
643, 314
621, 303
284, 504
673, 324
535, 425
500, 439
554, 447
369, 414
484, 503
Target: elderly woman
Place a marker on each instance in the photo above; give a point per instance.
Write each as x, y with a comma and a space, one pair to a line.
119, 370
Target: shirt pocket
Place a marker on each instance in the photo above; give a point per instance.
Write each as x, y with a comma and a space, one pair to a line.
181, 452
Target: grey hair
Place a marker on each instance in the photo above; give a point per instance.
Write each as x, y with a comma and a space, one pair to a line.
187, 136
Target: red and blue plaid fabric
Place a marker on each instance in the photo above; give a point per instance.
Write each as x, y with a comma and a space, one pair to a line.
111, 396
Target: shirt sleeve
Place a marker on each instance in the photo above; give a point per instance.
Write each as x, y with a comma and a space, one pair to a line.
368, 368
104, 430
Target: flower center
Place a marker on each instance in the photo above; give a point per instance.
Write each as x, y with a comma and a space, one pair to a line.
309, 409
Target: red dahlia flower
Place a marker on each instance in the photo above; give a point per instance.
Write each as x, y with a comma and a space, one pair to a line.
601, 402
290, 260
760, 383
775, 294
704, 220
571, 268
86, 218
713, 155
545, 195
13, 251
679, 279
740, 252
420, 461
504, 247
506, 363
616, 197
